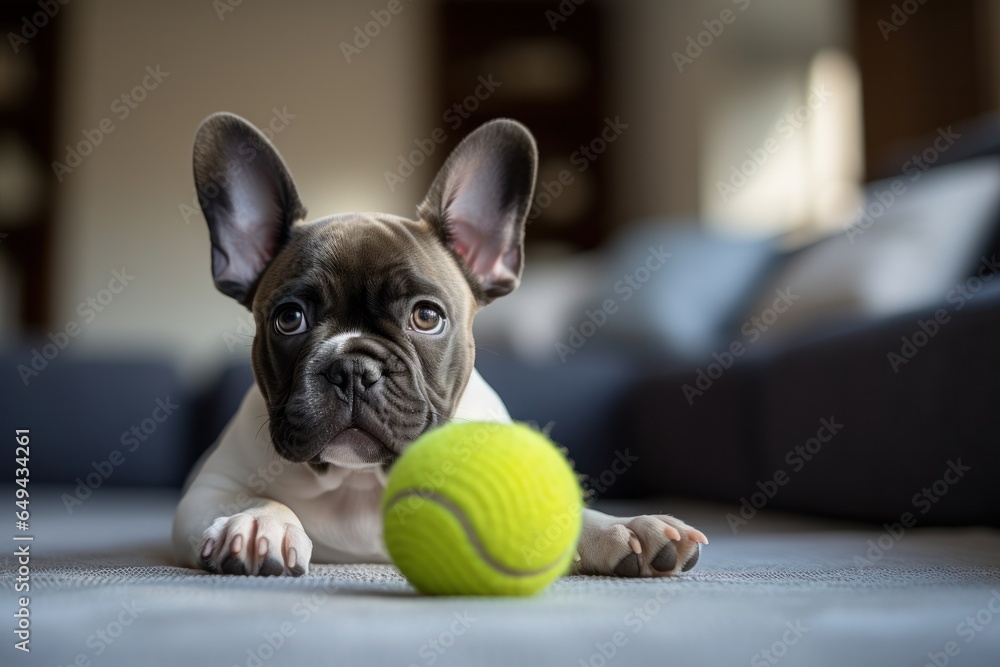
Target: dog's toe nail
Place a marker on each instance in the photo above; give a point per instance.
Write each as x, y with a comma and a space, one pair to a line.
628, 566
271, 568
206, 549
233, 565
206, 555
693, 560
666, 559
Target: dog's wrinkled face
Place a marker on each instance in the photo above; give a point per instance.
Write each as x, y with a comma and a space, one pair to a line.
364, 341
364, 321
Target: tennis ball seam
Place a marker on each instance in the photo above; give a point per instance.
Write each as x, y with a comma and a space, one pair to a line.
472, 536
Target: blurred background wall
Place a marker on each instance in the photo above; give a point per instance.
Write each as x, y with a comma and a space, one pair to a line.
343, 108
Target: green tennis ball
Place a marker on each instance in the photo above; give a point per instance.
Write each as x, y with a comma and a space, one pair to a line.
479, 508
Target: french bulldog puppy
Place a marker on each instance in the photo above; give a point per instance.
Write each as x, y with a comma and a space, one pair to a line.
363, 343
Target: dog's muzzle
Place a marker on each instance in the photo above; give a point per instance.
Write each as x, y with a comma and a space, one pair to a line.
362, 444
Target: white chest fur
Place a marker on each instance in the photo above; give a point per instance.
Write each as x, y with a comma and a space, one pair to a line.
338, 508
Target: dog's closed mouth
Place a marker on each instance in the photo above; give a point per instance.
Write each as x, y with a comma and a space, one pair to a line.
355, 448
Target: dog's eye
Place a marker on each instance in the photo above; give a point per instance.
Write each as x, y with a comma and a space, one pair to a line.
427, 319
289, 321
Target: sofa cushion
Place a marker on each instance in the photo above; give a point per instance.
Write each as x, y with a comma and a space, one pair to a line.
98, 422
578, 403
919, 235
686, 305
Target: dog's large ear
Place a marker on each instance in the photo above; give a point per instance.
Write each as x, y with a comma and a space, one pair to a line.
479, 200
248, 198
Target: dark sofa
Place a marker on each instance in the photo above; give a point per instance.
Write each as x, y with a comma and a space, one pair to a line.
898, 432
912, 397
895, 433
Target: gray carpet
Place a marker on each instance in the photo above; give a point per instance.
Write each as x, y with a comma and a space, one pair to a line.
785, 590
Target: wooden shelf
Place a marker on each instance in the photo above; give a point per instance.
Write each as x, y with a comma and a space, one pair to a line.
31, 118
552, 81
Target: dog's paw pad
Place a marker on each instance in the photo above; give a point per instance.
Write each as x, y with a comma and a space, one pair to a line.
233, 564
628, 566
693, 558
642, 546
271, 567
666, 559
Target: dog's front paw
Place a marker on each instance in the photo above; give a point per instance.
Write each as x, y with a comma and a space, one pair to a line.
642, 546
255, 544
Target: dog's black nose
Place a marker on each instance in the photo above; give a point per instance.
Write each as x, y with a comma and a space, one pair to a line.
354, 373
